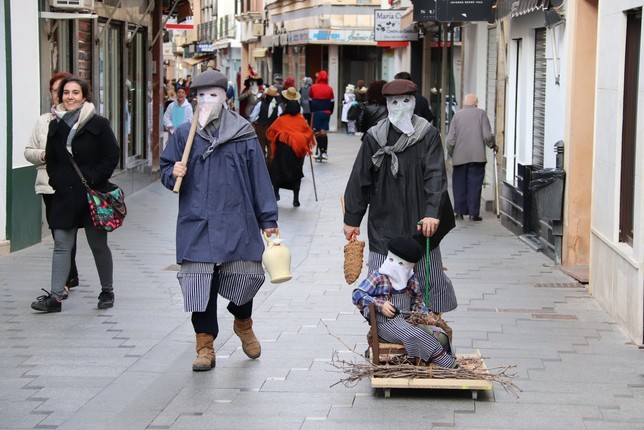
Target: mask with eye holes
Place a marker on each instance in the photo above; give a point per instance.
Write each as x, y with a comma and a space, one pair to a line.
211, 101
400, 110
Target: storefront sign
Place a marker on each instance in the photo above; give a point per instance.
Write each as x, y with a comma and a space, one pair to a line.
387, 26
464, 10
424, 10
333, 37
205, 47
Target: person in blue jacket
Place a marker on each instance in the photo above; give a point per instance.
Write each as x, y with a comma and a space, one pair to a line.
226, 201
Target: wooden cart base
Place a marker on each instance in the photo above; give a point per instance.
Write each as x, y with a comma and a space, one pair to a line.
475, 385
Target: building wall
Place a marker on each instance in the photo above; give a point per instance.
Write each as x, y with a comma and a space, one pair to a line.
616, 269
4, 60
24, 223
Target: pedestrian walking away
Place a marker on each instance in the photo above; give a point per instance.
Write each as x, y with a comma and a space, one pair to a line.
80, 133
322, 104
219, 241
264, 114
375, 109
400, 165
35, 154
469, 133
291, 139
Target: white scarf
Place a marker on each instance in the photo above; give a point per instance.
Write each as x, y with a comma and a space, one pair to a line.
398, 270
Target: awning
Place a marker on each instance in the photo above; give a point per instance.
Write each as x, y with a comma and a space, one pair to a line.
518, 7
259, 52
196, 60
392, 44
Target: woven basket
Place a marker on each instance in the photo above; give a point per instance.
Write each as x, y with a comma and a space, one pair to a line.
353, 251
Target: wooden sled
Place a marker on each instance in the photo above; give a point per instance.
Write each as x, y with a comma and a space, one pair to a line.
382, 352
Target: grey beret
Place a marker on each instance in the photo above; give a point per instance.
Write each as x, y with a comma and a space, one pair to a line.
210, 78
397, 87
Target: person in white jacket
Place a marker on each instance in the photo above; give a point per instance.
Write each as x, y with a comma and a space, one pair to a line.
177, 112
35, 154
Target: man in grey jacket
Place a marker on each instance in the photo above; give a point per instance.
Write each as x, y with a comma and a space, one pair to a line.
469, 133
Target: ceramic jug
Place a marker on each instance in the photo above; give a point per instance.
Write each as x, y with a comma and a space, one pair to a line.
277, 260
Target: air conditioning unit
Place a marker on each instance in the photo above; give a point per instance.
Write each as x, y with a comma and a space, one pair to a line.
76, 5
258, 29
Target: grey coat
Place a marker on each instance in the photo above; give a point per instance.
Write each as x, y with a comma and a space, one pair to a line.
469, 132
225, 199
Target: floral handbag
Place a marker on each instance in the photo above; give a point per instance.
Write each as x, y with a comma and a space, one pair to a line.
107, 209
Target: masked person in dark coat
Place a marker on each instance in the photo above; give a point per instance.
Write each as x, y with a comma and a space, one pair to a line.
291, 139
226, 201
399, 175
80, 133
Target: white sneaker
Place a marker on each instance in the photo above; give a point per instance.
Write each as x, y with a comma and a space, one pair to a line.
324, 156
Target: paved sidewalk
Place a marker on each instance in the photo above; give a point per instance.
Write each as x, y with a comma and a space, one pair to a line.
130, 367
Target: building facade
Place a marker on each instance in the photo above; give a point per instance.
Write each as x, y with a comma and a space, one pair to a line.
108, 43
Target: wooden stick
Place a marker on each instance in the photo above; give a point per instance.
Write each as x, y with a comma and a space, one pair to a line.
186, 150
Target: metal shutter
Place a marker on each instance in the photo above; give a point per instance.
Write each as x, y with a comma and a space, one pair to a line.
490, 96
539, 117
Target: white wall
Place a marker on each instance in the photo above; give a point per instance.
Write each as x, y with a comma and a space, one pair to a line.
555, 93
617, 269
3, 135
25, 55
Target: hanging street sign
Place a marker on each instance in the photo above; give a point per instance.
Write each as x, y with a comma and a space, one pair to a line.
464, 10
387, 26
424, 10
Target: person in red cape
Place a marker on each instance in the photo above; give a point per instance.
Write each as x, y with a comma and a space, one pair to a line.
291, 140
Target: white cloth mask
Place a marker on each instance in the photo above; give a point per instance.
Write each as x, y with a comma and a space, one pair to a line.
254, 88
400, 110
211, 101
398, 270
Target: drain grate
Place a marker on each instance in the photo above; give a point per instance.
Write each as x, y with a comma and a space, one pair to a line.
553, 317
558, 285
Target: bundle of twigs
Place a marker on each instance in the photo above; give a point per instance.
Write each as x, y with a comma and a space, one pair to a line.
471, 368
417, 318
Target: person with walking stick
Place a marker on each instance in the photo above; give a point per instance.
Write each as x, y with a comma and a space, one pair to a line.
226, 203
401, 165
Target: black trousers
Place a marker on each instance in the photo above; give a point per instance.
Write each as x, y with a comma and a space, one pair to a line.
467, 181
206, 321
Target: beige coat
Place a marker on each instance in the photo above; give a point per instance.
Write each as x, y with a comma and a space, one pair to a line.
35, 153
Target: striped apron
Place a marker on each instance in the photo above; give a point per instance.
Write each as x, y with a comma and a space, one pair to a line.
239, 281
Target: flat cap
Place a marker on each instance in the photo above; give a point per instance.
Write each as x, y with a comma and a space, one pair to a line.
210, 78
406, 248
397, 87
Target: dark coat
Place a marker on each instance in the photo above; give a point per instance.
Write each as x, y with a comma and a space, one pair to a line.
371, 114
397, 204
286, 168
96, 152
422, 108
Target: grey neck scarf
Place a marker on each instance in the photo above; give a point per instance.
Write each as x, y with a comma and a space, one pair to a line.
229, 127
380, 131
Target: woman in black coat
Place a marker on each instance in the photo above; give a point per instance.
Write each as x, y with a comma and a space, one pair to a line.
79, 132
375, 109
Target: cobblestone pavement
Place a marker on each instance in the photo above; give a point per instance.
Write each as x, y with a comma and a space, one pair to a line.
129, 367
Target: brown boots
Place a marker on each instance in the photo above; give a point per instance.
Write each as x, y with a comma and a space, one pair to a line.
205, 353
250, 344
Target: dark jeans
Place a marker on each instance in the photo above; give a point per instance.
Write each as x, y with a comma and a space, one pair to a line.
206, 322
467, 181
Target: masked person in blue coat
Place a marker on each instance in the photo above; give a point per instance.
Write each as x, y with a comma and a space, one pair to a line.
226, 201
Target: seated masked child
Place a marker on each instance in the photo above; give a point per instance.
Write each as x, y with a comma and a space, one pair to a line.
395, 291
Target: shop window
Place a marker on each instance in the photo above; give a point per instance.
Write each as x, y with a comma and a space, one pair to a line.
109, 95
136, 85
629, 125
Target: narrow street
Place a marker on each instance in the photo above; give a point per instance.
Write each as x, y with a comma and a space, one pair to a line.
129, 367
